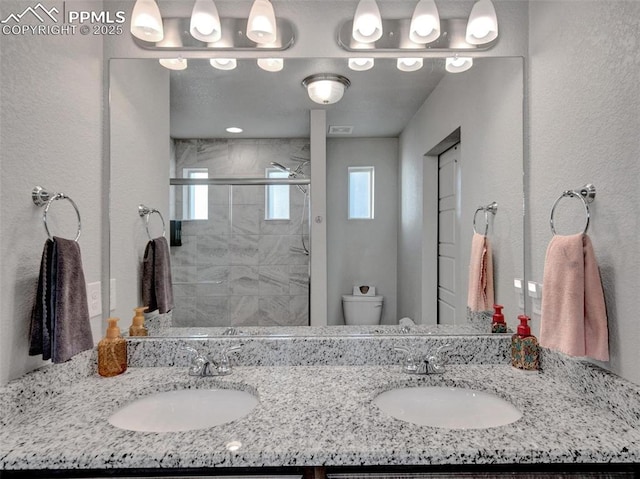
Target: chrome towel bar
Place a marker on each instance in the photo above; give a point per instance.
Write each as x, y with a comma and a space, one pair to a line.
42, 197
586, 194
145, 212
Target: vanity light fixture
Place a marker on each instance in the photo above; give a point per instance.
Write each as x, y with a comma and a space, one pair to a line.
367, 22
271, 64
482, 26
361, 64
409, 64
324, 88
458, 64
425, 23
261, 26
234, 129
205, 21
172, 39
146, 21
224, 63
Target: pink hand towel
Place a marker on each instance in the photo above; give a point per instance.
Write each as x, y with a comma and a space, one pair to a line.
480, 295
574, 316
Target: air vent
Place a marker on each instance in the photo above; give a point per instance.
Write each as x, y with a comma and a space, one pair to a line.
340, 130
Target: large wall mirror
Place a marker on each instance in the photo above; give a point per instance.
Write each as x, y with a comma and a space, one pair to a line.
430, 146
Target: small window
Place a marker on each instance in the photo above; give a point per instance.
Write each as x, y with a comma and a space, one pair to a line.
195, 197
361, 189
277, 197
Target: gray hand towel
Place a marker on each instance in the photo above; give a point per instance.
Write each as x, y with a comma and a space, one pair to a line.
60, 325
157, 288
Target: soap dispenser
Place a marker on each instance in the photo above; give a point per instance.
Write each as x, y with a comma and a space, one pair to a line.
497, 324
112, 351
137, 327
524, 347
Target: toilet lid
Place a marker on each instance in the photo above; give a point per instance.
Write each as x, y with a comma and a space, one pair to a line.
351, 297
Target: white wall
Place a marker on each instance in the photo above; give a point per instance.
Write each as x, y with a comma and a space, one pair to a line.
362, 251
486, 102
50, 135
140, 153
584, 123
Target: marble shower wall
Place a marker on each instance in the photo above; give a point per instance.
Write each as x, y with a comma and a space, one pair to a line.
236, 268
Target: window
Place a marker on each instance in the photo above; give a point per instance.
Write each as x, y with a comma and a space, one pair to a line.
195, 197
361, 186
277, 197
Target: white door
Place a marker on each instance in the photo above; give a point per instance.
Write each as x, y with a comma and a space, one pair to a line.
447, 234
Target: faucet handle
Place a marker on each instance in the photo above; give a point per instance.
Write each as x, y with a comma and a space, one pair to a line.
439, 360
409, 366
198, 363
224, 367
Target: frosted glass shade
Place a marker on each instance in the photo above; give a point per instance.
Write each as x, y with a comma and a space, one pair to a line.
174, 63
425, 23
361, 64
205, 22
367, 22
409, 64
326, 89
146, 21
458, 64
271, 64
482, 26
261, 26
224, 63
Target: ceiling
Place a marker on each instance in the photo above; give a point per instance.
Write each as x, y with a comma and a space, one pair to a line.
379, 103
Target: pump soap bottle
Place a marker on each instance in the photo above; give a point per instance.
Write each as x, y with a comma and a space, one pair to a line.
497, 324
112, 351
137, 327
524, 347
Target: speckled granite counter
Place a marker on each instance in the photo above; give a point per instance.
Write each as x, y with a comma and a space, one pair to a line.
317, 416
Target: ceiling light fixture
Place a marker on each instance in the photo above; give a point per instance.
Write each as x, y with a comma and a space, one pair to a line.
234, 129
409, 64
458, 64
261, 26
482, 26
361, 64
271, 64
425, 23
146, 21
326, 89
367, 22
205, 21
224, 63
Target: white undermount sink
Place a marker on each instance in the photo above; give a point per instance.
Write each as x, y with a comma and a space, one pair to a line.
184, 410
447, 407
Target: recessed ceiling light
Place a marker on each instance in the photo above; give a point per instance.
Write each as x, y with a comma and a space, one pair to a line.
234, 129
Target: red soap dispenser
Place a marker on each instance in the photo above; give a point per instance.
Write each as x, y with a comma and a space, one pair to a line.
497, 324
524, 347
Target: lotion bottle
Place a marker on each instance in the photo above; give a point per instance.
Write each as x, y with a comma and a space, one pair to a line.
137, 327
525, 353
112, 351
497, 324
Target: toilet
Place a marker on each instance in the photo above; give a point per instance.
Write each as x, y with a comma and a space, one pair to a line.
361, 309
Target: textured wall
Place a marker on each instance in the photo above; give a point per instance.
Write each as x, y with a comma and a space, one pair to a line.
50, 135
584, 123
362, 251
486, 102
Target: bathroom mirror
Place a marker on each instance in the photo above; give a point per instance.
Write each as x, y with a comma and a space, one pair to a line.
239, 266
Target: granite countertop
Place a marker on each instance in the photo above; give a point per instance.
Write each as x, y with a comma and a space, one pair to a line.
310, 416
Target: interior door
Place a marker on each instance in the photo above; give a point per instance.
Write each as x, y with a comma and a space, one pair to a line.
447, 234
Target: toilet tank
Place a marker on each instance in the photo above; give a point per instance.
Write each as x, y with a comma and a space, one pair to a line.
361, 310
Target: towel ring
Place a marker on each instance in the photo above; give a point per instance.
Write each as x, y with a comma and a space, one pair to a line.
490, 208
145, 211
586, 194
42, 197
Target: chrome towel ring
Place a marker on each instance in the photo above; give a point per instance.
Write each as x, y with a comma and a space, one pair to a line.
586, 194
42, 197
145, 212
490, 208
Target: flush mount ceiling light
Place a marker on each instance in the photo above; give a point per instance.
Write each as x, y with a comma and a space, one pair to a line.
409, 64
146, 21
482, 26
361, 64
174, 63
261, 26
205, 21
425, 23
367, 22
326, 89
271, 64
458, 64
224, 63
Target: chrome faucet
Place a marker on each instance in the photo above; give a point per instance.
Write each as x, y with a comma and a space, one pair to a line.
433, 364
202, 366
